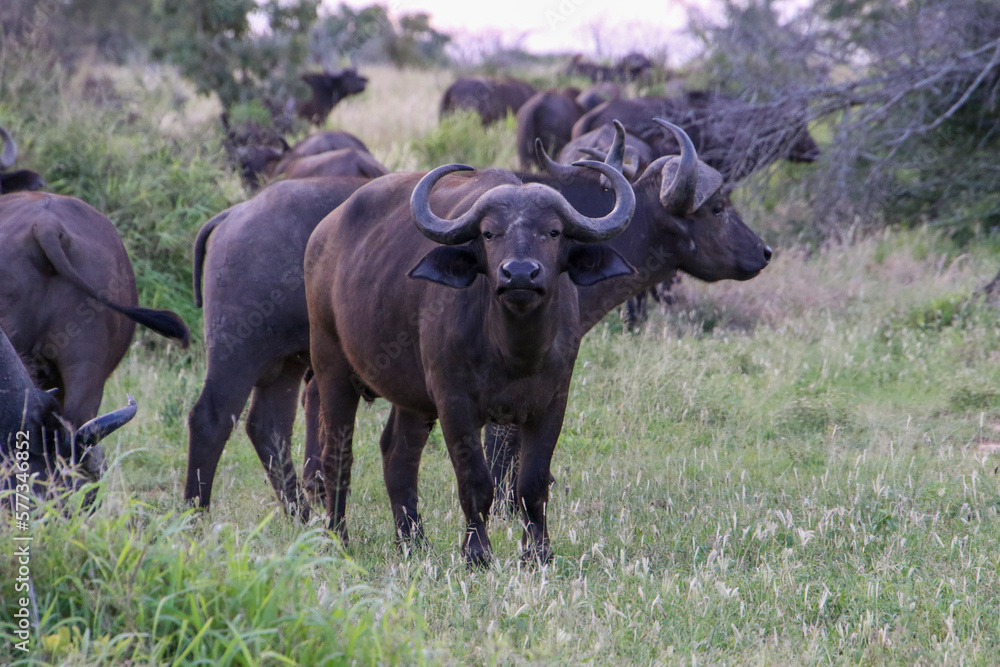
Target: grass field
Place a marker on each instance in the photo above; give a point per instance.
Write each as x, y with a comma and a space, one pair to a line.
799, 469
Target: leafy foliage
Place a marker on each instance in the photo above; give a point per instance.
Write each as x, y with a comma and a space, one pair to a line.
369, 34
212, 44
909, 89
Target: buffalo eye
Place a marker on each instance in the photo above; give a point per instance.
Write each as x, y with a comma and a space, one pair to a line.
487, 235
718, 209
554, 234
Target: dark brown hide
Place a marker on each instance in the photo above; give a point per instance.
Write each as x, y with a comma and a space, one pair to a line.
68, 297
488, 332
701, 234
248, 276
328, 88
260, 164
549, 116
598, 94
491, 98
343, 162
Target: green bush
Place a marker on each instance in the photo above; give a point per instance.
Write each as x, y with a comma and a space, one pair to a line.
156, 187
462, 138
155, 588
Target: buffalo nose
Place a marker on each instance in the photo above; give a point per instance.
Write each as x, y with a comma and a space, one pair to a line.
767, 253
520, 268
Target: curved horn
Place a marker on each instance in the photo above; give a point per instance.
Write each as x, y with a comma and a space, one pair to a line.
9, 153
557, 169
678, 197
96, 429
439, 230
595, 230
616, 154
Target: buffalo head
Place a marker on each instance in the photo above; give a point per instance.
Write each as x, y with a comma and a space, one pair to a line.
35, 441
694, 207
328, 88
521, 238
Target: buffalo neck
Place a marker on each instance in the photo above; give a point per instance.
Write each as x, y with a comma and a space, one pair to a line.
522, 339
649, 248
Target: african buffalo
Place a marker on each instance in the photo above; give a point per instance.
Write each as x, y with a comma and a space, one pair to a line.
732, 136
637, 155
328, 88
548, 115
343, 162
683, 221
260, 163
491, 98
248, 278
39, 446
631, 67
598, 94
442, 343
68, 297
14, 181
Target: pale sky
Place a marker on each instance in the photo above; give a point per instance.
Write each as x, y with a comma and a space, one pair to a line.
554, 25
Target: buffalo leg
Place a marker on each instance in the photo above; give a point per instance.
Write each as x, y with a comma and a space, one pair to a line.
269, 426
402, 445
538, 442
339, 394
502, 444
210, 424
475, 485
312, 474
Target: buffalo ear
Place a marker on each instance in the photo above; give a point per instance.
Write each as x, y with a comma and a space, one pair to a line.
454, 266
589, 263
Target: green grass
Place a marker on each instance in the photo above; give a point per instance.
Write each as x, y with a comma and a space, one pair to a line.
797, 469
810, 482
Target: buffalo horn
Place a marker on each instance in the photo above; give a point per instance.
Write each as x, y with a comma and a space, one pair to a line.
9, 152
616, 154
445, 232
678, 197
557, 169
96, 429
595, 230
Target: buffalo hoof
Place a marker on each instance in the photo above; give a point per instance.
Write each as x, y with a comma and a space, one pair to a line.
410, 532
477, 550
538, 555
339, 529
315, 491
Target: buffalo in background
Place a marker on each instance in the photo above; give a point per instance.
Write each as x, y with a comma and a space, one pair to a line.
68, 299
491, 98
732, 136
248, 278
631, 67
14, 181
548, 115
328, 89
260, 163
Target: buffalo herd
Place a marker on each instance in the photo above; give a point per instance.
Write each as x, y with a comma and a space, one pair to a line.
459, 296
